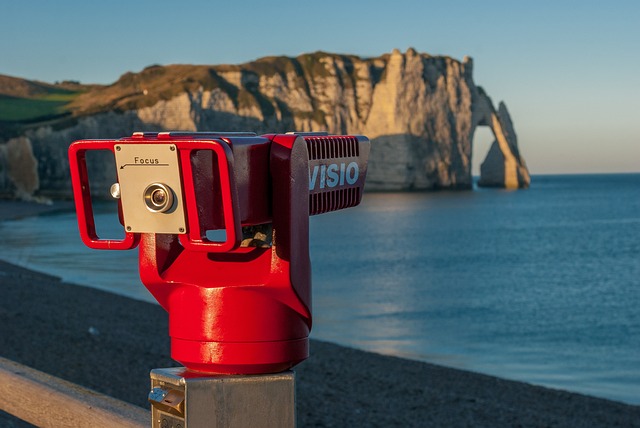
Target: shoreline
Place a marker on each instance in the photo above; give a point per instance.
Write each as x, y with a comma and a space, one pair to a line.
13, 209
109, 343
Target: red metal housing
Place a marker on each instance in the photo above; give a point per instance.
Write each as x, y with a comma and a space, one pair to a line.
236, 309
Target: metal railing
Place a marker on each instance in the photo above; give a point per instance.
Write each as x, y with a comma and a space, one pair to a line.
47, 401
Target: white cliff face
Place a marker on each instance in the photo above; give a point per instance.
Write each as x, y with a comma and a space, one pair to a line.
423, 104
419, 111
176, 113
21, 167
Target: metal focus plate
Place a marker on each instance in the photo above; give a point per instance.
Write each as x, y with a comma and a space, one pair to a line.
146, 172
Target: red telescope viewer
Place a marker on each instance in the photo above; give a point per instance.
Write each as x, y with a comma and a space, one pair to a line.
222, 225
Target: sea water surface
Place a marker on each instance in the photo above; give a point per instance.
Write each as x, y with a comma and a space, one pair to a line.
539, 285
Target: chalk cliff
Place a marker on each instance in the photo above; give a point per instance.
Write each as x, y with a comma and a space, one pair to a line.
420, 111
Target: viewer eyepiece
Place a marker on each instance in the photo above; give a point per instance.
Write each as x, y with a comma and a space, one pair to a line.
158, 198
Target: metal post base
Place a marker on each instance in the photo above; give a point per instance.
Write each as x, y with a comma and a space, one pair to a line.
184, 399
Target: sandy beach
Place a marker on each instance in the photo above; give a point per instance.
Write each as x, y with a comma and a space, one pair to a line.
109, 343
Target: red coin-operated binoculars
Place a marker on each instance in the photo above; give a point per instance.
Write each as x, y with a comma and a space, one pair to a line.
222, 225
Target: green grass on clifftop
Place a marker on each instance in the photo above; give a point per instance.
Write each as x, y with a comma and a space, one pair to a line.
15, 109
28, 101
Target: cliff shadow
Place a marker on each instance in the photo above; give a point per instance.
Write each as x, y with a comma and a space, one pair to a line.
400, 162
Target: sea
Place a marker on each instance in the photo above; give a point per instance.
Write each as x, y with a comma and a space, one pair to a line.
539, 285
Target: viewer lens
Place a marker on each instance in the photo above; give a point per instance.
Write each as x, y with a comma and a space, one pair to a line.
158, 197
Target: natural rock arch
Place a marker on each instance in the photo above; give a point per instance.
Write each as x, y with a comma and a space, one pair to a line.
503, 166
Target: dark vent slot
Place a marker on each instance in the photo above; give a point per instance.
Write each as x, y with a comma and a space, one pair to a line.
333, 200
332, 147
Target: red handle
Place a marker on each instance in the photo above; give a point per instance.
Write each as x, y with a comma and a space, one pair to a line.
194, 239
82, 197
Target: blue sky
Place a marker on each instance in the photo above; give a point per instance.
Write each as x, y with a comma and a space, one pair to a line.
569, 71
